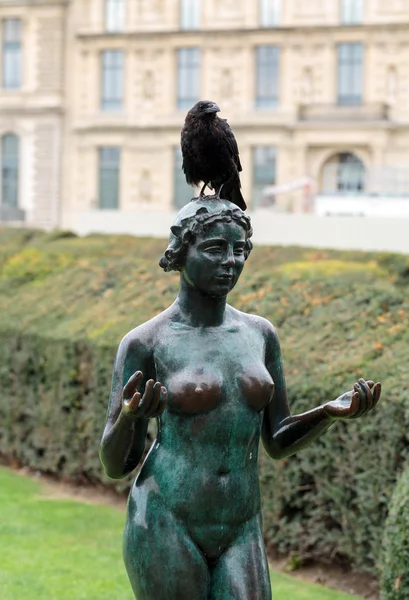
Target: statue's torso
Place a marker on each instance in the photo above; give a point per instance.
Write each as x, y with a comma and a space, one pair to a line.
204, 462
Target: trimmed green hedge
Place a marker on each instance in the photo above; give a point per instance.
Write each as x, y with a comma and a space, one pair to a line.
66, 302
395, 559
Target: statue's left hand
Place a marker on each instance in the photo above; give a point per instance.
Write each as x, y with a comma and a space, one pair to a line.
351, 405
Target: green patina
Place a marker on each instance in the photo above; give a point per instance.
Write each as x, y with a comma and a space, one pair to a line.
213, 377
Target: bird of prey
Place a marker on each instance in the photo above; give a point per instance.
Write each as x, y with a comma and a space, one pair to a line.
210, 152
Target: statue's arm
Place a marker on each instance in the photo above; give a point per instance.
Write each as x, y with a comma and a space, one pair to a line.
123, 441
282, 433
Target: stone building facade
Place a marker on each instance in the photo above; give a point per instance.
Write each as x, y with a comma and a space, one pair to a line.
317, 93
32, 47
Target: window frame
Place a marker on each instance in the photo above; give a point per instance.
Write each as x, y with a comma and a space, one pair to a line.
108, 168
182, 191
191, 73
10, 164
112, 100
270, 13
190, 14
12, 54
267, 92
115, 23
350, 69
350, 15
262, 167
344, 174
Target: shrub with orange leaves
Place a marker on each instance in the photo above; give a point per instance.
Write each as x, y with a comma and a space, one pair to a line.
65, 303
395, 556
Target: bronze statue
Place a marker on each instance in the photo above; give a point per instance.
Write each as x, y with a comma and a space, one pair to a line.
213, 377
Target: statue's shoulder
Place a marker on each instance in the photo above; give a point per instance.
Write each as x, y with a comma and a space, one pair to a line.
261, 324
142, 338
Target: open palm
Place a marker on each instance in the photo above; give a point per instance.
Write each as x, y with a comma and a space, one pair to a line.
355, 403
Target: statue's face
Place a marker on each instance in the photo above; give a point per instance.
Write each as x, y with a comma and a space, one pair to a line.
215, 259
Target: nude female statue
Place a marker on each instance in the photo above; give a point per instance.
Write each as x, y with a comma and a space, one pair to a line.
213, 377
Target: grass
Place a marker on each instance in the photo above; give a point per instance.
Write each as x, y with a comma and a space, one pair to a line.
58, 549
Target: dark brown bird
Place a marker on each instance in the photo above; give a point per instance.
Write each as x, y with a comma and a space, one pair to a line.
210, 152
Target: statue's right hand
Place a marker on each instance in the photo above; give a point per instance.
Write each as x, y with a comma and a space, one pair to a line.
148, 405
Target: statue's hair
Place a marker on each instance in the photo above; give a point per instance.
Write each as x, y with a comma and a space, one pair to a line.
184, 234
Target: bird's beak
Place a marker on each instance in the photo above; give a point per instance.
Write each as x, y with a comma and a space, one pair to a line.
212, 108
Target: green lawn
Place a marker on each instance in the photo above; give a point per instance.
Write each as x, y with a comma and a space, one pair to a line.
66, 550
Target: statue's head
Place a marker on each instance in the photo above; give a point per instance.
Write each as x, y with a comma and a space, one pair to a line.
197, 219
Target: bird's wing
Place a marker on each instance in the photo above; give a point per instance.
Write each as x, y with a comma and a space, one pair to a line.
187, 144
231, 142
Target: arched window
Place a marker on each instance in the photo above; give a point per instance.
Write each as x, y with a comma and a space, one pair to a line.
342, 174
9, 169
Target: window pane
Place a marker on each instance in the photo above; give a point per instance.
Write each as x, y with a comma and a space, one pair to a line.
112, 80
188, 92
115, 15
270, 13
344, 174
350, 74
352, 12
190, 14
351, 174
267, 76
11, 54
182, 192
12, 30
264, 171
109, 162
9, 170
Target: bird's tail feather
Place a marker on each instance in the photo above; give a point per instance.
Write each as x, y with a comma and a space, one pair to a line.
231, 191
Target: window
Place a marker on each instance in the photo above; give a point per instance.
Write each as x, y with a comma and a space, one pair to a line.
9, 170
350, 73
12, 54
270, 13
112, 80
344, 174
352, 12
109, 159
115, 15
190, 14
182, 192
267, 76
264, 172
188, 92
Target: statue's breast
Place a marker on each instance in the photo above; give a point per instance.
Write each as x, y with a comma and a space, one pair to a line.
200, 390
195, 390
257, 386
